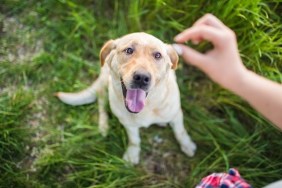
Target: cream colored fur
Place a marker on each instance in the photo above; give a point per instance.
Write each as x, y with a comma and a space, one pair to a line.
162, 103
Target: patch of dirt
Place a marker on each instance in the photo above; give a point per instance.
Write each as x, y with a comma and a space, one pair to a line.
34, 122
165, 162
18, 43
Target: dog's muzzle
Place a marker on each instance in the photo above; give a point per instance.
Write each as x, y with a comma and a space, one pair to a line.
134, 97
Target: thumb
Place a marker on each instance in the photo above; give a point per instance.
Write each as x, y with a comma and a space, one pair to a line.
190, 55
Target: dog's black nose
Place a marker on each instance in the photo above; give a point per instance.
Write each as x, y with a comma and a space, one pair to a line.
141, 80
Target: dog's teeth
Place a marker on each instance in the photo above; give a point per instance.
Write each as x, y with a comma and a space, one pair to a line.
177, 48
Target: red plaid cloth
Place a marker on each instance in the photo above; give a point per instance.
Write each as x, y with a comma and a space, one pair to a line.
224, 180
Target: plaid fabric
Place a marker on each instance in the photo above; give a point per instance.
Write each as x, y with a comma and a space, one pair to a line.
224, 180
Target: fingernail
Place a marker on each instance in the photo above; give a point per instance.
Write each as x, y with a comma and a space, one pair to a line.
177, 48
196, 42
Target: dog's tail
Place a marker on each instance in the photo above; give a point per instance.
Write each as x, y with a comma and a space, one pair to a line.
83, 97
88, 95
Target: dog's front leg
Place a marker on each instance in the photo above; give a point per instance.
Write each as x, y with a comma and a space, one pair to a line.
187, 145
103, 116
133, 150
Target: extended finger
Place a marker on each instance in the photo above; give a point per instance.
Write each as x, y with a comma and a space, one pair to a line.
199, 33
209, 19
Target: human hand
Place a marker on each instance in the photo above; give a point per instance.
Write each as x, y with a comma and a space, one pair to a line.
223, 63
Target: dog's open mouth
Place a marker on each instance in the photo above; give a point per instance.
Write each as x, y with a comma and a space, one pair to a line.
134, 99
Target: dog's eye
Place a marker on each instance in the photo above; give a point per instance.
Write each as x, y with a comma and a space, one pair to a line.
129, 51
157, 55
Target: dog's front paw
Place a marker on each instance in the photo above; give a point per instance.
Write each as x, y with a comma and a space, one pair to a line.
132, 155
189, 148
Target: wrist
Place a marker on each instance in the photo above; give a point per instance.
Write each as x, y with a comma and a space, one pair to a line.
240, 81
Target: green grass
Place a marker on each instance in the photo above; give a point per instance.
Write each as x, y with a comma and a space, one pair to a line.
53, 45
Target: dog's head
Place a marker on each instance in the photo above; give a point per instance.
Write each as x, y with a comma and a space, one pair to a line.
140, 61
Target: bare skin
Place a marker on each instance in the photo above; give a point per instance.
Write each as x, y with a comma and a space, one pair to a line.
224, 66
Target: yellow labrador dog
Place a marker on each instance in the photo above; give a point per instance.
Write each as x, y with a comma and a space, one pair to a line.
138, 70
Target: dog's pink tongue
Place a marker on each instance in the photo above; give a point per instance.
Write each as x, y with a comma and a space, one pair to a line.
135, 99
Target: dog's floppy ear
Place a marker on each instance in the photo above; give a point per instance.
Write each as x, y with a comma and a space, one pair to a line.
106, 50
173, 56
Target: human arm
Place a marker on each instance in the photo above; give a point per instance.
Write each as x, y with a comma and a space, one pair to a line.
224, 66
263, 94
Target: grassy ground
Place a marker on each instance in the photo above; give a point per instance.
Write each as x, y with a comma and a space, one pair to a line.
50, 45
